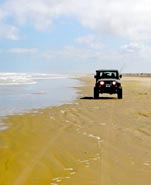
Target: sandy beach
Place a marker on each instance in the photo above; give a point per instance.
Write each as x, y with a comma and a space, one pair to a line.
89, 142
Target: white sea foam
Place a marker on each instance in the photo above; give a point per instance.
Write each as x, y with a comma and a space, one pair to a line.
27, 78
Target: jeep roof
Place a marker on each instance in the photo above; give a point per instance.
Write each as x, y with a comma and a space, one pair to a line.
101, 70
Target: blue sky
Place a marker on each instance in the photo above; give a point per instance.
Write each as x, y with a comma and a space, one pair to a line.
75, 36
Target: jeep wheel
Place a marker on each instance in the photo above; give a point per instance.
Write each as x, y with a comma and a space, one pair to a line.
96, 93
120, 94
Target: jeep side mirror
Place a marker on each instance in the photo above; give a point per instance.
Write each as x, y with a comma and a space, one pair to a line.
95, 76
120, 76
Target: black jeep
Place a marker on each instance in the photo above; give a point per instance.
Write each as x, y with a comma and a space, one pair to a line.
108, 81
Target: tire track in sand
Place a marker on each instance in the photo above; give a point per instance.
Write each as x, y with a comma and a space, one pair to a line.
26, 172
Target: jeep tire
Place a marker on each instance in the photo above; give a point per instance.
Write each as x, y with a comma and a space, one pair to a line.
120, 94
96, 93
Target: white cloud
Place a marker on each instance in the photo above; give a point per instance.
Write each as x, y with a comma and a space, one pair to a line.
73, 53
90, 41
23, 50
124, 18
139, 50
2, 14
9, 32
131, 48
131, 53
39, 12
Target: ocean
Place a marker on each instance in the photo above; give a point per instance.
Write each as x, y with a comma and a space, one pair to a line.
23, 92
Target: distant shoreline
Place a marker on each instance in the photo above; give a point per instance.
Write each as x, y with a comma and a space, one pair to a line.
137, 74
130, 74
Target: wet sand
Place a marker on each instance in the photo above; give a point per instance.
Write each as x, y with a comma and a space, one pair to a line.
90, 142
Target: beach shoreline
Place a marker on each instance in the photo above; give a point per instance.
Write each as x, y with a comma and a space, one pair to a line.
27, 92
89, 142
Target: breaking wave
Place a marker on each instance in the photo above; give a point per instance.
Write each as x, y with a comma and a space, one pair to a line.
27, 78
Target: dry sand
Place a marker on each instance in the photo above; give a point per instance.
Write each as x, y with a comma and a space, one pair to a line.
90, 142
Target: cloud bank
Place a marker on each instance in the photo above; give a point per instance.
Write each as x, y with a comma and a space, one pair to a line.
125, 18
127, 23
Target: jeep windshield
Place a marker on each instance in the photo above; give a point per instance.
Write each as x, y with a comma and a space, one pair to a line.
108, 74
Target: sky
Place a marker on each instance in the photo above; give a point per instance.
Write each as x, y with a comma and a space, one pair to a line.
75, 36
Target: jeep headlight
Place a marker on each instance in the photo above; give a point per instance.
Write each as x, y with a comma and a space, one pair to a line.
114, 82
102, 83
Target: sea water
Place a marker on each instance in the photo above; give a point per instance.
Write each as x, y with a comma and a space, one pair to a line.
22, 92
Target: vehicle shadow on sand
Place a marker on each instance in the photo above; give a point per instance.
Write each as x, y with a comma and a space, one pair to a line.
92, 98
